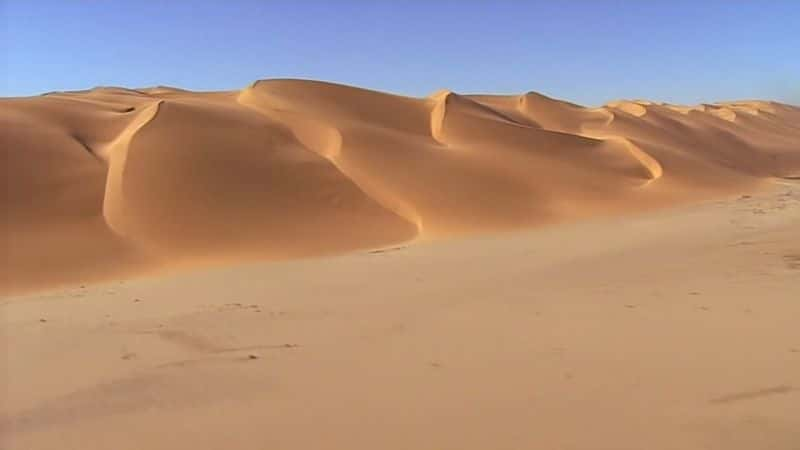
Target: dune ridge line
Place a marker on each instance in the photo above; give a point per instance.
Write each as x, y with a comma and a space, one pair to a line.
289, 168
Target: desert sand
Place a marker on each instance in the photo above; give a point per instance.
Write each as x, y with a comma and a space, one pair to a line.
303, 265
116, 182
669, 330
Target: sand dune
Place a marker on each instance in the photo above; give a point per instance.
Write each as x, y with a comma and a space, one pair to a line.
114, 181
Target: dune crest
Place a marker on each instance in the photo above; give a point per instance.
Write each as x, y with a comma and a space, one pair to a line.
111, 181
116, 154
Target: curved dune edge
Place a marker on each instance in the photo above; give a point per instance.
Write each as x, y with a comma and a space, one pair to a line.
648, 163
326, 140
444, 99
438, 112
632, 108
292, 168
116, 154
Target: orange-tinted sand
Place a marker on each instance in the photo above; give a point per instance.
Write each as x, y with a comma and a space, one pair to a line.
657, 311
116, 182
673, 330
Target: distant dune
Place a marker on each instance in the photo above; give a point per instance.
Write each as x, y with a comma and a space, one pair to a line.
114, 181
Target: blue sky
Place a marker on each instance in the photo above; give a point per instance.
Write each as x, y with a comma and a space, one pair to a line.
585, 51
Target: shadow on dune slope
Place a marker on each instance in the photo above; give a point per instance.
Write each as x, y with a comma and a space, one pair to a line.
114, 181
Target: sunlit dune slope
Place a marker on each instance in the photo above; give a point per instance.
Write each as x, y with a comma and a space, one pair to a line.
115, 181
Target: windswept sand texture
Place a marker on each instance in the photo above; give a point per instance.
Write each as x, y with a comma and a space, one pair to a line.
113, 181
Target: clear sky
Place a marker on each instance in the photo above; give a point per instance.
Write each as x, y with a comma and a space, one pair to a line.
587, 51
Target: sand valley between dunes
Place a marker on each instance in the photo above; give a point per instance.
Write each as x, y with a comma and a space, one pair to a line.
302, 265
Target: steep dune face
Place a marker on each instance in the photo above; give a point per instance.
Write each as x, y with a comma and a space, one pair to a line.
112, 181
200, 179
54, 179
